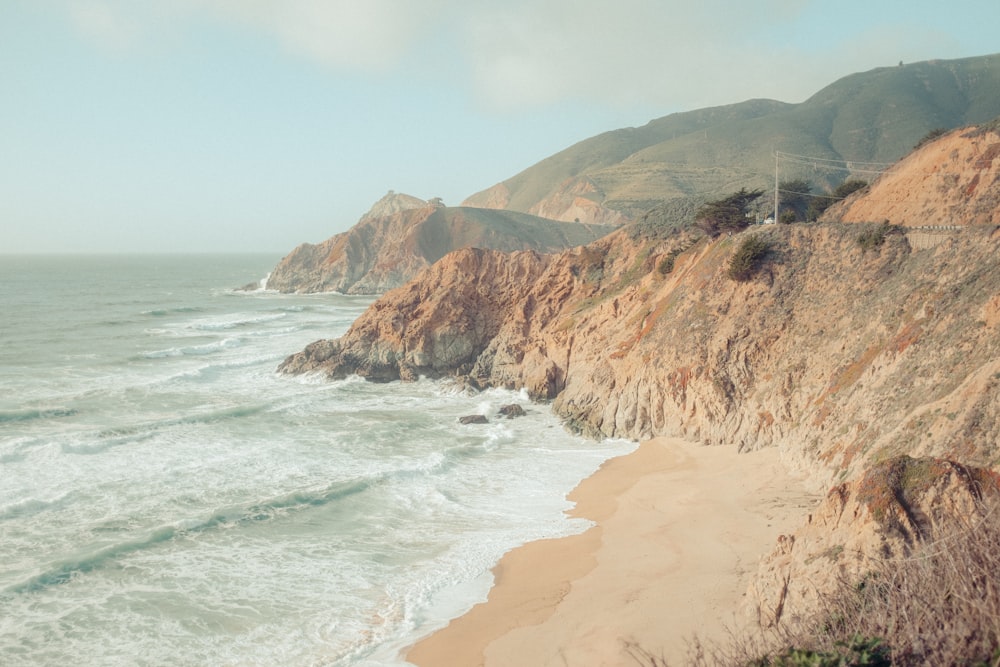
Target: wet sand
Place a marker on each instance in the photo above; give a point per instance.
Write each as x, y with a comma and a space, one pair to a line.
678, 532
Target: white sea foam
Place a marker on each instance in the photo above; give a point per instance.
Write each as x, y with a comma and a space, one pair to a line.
191, 492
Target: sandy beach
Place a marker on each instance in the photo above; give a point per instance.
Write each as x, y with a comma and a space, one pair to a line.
678, 531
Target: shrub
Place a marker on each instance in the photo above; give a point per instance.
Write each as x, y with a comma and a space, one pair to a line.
873, 236
931, 136
666, 265
939, 606
747, 258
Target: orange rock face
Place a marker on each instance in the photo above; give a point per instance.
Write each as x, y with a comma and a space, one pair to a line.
842, 352
952, 181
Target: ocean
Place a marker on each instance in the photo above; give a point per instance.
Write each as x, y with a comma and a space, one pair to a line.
167, 498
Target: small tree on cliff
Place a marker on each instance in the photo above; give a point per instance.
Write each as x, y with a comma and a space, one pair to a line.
747, 258
728, 214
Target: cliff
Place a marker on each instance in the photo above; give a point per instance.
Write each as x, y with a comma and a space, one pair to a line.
835, 350
852, 346
834, 353
402, 235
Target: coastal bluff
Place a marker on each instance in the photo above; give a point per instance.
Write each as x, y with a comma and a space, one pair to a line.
402, 235
835, 351
842, 353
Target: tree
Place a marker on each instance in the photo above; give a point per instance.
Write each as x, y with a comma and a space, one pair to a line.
794, 198
821, 203
728, 214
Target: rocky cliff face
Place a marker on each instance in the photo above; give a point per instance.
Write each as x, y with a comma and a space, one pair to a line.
848, 348
953, 181
836, 354
884, 514
402, 235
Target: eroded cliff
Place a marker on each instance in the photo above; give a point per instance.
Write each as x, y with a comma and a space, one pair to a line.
851, 347
403, 235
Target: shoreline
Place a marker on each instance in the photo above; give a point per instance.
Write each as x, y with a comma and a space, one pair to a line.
679, 529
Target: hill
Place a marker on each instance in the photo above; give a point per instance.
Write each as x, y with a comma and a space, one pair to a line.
402, 235
871, 361
875, 116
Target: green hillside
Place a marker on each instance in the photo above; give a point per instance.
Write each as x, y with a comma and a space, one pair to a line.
875, 116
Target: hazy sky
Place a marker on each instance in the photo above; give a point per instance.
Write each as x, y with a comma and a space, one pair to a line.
255, 125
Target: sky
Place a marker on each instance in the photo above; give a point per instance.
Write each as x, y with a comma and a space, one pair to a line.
256, 125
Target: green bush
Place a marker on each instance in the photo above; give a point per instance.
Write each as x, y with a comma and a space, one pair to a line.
666, 265
859, 652
873, 236
747, 258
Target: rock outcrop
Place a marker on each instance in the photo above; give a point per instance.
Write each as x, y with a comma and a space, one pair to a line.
953, 181
836, 353
894, 507
402, 235
850, 349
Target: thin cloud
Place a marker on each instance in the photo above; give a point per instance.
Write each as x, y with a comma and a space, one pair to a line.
105, 26
341, 34
531, 54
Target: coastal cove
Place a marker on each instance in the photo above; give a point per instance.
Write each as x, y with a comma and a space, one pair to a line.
166, 497
678, 531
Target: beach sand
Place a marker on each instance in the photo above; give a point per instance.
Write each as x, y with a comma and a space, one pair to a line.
679, 531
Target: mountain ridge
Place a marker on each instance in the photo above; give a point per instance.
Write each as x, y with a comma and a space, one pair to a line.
871, 361
874, 116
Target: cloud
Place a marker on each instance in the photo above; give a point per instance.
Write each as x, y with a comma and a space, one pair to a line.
521, 55
105, 26
629, 52
341, 34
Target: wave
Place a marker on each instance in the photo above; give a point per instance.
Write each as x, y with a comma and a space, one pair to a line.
240, 320
30, 414
133, 433
30, 507
64, 571
193, 350
163, 312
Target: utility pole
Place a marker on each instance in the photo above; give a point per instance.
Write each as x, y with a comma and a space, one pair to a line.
775, 187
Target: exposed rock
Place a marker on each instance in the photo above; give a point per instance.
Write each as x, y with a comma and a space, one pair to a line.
836, 354
850, 359
884, 515
953, 181
474, 419
511, 411
403, 235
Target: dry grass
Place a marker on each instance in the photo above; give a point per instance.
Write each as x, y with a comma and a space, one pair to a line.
939, 606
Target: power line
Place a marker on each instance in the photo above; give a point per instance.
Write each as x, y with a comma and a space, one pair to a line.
810, 158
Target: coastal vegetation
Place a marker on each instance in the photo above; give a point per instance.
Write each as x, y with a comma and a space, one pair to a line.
860, 349
701, 153
747, 258
729, 214
939, 605
872, 236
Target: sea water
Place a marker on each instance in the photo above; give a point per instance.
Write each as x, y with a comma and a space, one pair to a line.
167, 498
